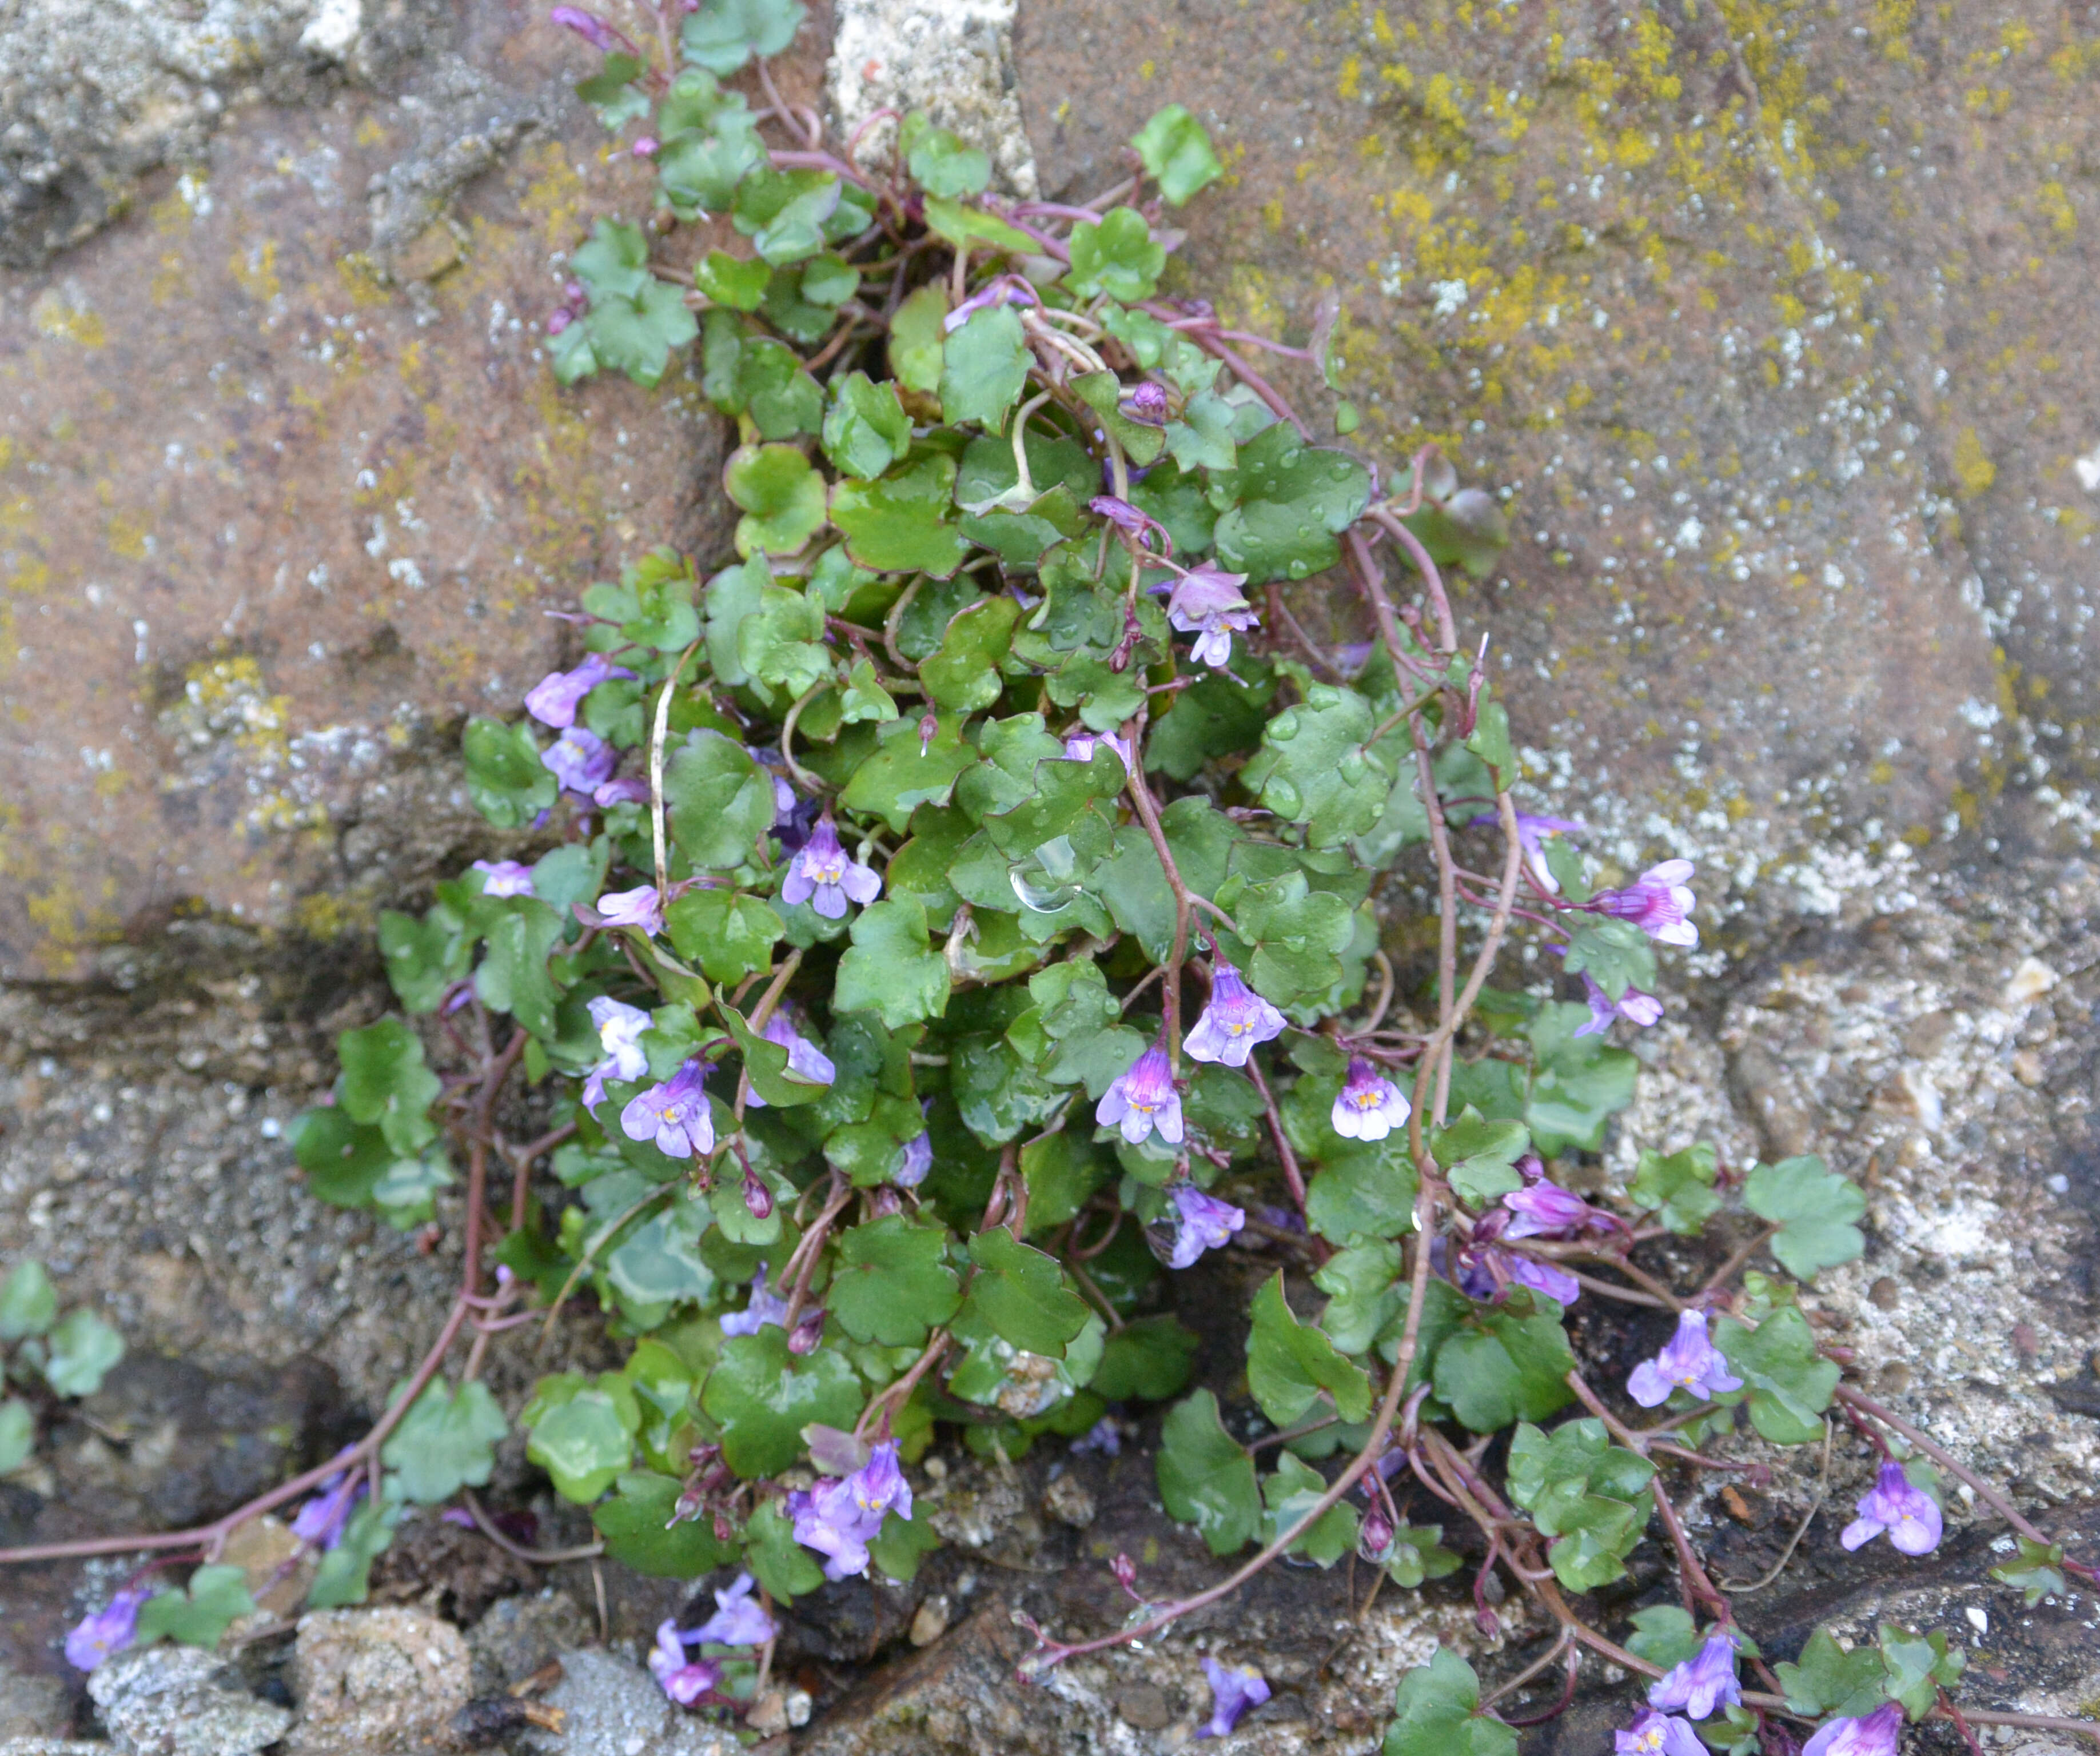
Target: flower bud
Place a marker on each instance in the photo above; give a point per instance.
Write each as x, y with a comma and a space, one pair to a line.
758, 1197
1375, 1536
807, 1333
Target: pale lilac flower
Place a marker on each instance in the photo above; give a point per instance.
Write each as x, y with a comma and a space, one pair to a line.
803, 1057
1203, 1222
1908, 1514
1006, 289
1122, 514
739, 1620
683, 1681
639, 907
1634, 1006
503, 878
763, 1309
559, 319
1105, 1437
580, 760
917, 1160
1688, 1361
1207, 603
1486, 1272
321, 1520
1654, 1734
1873, 1735
1143, 1100
107, 1631
1368, 1106
1236, 1019
1080, 747
1705, 1680
590, 27
1533, 833
619, 1028
555, 699
1545, 1209
1656, 903
1235, 1688
645, 146
840, 1517
822, 876
1145, 403
628, 791
675, 1114
1543, 1277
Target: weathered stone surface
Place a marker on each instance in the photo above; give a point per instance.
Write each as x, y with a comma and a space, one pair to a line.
180, 1700
370, 1681
612, 1707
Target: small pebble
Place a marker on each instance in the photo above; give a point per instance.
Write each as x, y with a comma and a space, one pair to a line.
2027, 1068
1884, 1294
931, 1621
1144, 1706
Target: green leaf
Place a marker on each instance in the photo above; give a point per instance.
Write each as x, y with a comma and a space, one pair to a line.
1591, 1496
1417, 1554
1103, 393
708, 139
1290, 1363
898, 1547
1363, 1194
424, 957
1814, 1208
1218, 715
763, 1395
385, 1083
739, 283
1314, 766
1149, 1358
917, 338
889, 971
1667, 1636
1789, 1383
343, 1160
784, 212
781, 496
1176, 154
445, 1441
344, 1575
1118, 257
613, 94
1499, 1367
583, 1445
1468, 528
866, 429
636, 1523
1291, 501
1490, 741
1019, 1295
899, 524
723, 35
984, 367
963, 675
83, 1348
214, 1599
513, 978
776, 1560
903, 775
634, 319
1480, 1157
2035, 1571
765, 1062
652, 604
29, 1306
719, 801
892, 1285
18, 1434
939, 162
781, 643
506, 779
1917, 1666
1678, 1190
659, 1262
727, 934
1290, 1493
1294, 936
1205, 1478
1616, 953
1830, 1680
1437, 1713
1363, 1293
966, 227
406, 1193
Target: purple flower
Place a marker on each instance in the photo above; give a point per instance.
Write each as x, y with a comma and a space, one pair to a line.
321, 1520
1634, 1006
1143, 1100
619, 1028
580, 760
840, 1517
684, 1682
503, 878
1235, 1688
555, 699
738, 1619
1656, 903
803, 1057
1203, 1222
763, 1309
108, 1631
590, 26
1702, 1682
1145, 403
1486, 1272
1543, 1277
1007, 289
1874, 1736
1688, 1361
1533, 833
1236, 1020
1080, 747
675, 1114
917, 1160
639, 907
1546, 1209
1654, 1734
627, 791
1909, 1515
1208, 603
1368, 1106
822, 876
1105, 1437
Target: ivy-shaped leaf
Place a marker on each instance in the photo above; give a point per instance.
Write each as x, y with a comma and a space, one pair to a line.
1019, 1296
636, 1523
1679, 1190
1789, 1382
1591, 1496
215, 1598
1290, 1364
1436, 1712
890, 970
892, 1284
1288, 1494
1117, 256
1500, 1367
1291, 501
1205, 1477
1480, 1157
782, 498
763, 1396
445, 1441
1314, 766
385, 1083
1815, 1209
1177, 154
